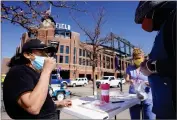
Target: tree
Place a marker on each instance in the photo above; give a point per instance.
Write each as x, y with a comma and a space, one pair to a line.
29, 13
94, 43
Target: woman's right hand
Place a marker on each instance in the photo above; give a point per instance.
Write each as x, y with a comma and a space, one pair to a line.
49, 64
131, 81
63, 103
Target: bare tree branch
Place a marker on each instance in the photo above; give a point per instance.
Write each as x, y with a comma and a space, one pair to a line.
94, 42
86, 31
63, 4
29, 13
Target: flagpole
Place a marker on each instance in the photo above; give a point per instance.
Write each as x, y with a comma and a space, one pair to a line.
20, 49
50, 9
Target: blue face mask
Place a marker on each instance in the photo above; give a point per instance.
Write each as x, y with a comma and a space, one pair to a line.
38, 62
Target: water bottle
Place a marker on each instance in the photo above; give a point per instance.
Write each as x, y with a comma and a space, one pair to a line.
105, 92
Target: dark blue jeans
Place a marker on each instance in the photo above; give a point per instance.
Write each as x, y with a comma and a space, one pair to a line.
145, 109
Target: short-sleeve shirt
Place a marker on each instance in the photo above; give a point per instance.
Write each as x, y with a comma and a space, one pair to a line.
137, 77
19, 80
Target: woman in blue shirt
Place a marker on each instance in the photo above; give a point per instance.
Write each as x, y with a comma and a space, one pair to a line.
133, 76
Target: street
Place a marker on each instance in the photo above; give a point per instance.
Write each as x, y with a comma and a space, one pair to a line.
81, 92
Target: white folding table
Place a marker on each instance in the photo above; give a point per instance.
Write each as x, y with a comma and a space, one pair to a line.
79, 110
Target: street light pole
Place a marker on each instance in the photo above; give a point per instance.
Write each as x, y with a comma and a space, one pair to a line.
75, 58
112, 41
121, 71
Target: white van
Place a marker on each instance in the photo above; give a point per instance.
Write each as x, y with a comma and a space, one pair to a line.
79, 82
111, 80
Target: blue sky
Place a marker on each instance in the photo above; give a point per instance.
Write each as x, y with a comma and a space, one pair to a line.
119, 18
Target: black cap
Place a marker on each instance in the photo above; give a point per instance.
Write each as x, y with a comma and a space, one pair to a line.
145, 7
36, 44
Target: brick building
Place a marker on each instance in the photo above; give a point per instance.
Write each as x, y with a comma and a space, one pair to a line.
73, 58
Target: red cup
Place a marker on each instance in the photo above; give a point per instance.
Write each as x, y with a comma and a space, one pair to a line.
105, 92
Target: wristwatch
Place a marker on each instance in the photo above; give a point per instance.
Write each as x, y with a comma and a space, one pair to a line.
151, 66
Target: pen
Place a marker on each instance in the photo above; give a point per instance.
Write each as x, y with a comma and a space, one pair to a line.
118, 101
85, 103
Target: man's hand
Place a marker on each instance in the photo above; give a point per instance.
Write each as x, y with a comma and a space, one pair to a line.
49, 64
63, 103
144, 70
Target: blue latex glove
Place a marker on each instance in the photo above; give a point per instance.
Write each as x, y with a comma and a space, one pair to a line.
147, 89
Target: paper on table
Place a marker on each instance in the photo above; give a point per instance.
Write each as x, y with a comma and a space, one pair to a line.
87, 98
124, 97
99, 106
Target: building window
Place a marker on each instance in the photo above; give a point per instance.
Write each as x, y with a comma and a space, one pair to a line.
87, 53
107, 62
67, 49
87, 62
84, 53
100, 61
80, 52
74, 50
83, 61
104, 62
123, 65
61, 58
91, 63
74, 59
96, 64
66, 59
80, 61
112, 63
61, 48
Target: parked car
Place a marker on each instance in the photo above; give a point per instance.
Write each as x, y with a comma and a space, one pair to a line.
57, 92
79, 82
111, 80
56, 80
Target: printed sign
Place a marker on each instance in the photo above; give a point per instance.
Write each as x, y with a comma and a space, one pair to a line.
63, 26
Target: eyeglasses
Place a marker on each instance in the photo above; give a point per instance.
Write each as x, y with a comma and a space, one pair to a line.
45, 54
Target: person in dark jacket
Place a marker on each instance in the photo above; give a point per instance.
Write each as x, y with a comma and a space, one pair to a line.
26, 86
161, 66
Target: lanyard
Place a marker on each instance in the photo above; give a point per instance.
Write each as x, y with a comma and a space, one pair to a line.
137, 76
